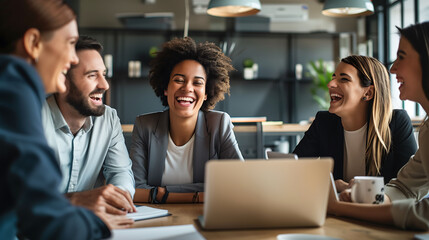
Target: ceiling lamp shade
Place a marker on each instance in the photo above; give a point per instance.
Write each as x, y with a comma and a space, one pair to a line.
348, 8
233, 8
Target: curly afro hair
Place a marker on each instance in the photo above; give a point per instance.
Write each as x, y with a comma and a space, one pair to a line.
210, 56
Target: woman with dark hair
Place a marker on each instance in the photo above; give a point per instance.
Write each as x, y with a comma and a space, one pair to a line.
37, 40
360, 132
407, 205
170, 148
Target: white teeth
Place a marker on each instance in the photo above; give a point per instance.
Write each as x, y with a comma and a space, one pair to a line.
187, 99
336, 97
64, 71
96, 95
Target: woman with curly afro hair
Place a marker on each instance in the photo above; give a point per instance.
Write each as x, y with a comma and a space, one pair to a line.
170, 148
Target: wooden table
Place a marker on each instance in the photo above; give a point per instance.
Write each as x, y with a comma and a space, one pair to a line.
268, 129
334, 227
248, 119
254, 122
286, 129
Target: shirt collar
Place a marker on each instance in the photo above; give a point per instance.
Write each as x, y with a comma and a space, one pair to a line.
58, 119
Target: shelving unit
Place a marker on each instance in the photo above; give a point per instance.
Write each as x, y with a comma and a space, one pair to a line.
275, 94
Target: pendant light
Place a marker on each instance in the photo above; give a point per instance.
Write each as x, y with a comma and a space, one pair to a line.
233, 8
348, 8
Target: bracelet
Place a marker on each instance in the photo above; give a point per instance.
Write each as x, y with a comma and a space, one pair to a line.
149, 197
164, 198
154, 192
196, 198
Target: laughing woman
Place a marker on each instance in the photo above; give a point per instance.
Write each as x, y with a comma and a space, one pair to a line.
37, 45
407, 203
170, 148
360, 132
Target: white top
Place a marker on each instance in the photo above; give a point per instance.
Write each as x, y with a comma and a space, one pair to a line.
178, 163
354, 153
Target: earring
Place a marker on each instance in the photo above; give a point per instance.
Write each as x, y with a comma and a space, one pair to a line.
35, 60
364, 98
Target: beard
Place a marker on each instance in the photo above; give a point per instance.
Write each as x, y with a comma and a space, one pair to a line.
76, 99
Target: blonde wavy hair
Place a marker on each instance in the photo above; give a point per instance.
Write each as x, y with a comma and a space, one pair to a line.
378, 141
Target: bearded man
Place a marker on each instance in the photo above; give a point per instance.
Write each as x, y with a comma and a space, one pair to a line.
87, 137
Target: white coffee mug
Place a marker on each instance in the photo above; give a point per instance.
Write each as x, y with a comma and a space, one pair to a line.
367, 189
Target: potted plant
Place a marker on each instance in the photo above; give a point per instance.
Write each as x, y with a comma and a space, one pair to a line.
321, 73
248, 68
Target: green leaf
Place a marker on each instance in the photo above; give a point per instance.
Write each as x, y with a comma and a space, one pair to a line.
248, 63
321, 76
153, 51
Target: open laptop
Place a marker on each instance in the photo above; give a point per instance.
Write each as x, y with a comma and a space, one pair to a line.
266, 194
333, 194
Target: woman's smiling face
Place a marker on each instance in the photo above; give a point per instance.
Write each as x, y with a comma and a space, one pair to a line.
57, 56
346, 91
408, 72
186, 90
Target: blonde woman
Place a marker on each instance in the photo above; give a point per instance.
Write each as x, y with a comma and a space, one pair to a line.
406, 205
360, 132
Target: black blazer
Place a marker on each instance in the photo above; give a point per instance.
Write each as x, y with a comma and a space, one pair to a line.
325, 138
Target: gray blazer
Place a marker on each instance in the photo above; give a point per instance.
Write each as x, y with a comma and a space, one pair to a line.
214, 139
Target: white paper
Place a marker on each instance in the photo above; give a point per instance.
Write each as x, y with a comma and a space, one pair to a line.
145, 212
179, 232
422, 236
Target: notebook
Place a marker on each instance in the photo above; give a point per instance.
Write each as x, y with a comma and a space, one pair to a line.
177, 232
266, 194
145, 212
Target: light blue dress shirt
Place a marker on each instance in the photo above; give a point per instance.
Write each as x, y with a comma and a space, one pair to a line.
95, 154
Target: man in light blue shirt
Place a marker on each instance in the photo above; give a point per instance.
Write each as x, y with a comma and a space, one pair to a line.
87, 137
